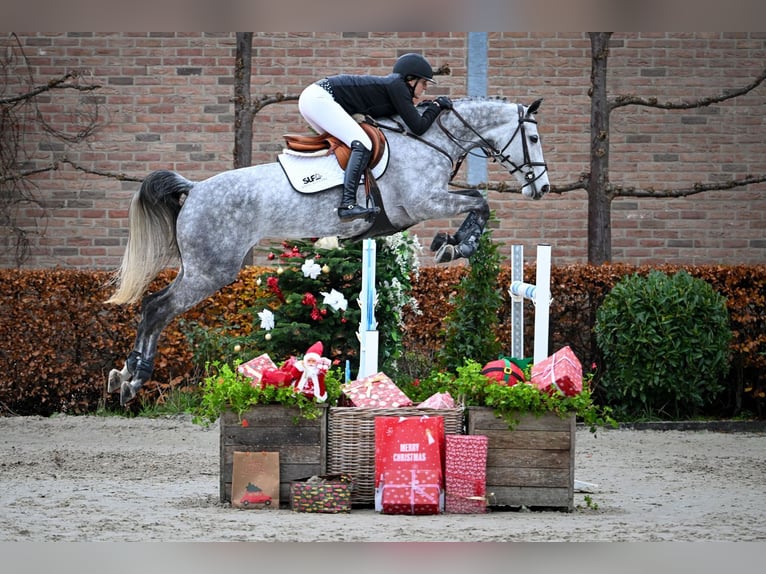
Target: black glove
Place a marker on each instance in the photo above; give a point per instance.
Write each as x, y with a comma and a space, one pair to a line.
444, 102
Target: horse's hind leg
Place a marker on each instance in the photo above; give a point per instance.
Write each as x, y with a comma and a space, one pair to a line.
158, 310
118, 377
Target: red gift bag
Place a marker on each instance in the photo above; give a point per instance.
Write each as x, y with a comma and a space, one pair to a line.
409, 465
465, 474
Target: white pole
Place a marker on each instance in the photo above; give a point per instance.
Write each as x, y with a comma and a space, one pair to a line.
539, 294
368, 334
542, 301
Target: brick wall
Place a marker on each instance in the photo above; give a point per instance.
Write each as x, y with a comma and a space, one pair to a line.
167, 99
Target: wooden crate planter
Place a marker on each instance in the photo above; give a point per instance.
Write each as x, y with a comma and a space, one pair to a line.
301, 443
531, 465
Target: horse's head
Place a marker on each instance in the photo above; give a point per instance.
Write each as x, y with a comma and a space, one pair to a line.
508, 135
522, 155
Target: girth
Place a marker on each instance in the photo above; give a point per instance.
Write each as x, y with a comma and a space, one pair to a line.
330, 144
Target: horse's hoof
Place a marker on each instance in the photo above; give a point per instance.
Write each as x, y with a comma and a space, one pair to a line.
115, 380
446, 254
439, 239
127, 393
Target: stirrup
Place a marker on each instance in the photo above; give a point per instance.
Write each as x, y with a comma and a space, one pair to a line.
352, 212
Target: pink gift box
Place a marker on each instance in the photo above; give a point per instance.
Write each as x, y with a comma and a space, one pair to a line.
254, 368
375, 391
438, 401
465, 475
561, 371
410, 491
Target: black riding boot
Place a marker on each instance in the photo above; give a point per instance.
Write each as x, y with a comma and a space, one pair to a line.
348, 210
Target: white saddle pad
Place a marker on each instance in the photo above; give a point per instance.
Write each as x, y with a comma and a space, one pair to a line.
310, 173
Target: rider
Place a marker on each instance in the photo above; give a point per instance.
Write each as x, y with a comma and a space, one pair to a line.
327, 106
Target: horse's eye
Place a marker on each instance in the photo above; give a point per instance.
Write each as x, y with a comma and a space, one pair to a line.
534, 138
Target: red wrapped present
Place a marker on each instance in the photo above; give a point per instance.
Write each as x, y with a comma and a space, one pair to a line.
410, 491
561, 371
438, 401
254, 368
375, 391
465, 474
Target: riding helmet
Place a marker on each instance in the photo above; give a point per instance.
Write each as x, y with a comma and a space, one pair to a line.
414, 65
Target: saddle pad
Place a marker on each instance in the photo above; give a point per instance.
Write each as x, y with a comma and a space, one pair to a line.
310, 173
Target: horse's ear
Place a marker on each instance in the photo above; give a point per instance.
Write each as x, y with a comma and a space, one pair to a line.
534, 107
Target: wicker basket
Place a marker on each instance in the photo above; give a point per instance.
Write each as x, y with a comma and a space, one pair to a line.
351, 442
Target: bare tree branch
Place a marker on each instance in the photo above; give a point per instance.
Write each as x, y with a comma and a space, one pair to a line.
631, 191
264, 101
503, 187
621, 101
53, 166
56, 84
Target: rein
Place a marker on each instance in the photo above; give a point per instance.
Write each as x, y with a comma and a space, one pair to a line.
498, 155
489, 150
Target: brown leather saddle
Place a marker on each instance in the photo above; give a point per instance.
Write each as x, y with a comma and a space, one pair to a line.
331, 144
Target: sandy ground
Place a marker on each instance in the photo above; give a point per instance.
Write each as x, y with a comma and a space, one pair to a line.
116, 479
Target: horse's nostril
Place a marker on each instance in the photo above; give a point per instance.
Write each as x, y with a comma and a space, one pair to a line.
546, 188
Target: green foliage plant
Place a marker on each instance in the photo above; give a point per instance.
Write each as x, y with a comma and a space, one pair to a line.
225, 388
469, 387
470, 326
665, 345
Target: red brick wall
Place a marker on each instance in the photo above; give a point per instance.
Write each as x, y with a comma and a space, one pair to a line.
168, 100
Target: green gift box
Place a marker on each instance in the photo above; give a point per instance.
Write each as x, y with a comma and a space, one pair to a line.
328, 493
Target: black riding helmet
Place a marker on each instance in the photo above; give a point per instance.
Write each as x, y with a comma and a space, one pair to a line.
414, 65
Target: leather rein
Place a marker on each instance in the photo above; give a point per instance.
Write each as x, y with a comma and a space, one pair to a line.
489, 150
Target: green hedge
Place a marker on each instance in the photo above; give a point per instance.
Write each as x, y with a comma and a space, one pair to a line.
58, 340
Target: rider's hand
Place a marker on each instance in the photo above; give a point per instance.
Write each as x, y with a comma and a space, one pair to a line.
444, 102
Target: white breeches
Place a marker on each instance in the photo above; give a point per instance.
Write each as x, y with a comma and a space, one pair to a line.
324, 114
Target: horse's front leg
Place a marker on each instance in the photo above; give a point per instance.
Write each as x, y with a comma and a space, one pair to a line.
465, 242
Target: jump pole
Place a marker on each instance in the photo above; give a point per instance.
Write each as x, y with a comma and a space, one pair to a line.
368, 326
539, 294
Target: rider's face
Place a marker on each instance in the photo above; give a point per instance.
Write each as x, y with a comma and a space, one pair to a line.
420, 88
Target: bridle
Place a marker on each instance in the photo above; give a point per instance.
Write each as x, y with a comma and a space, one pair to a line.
498, 155
490, 151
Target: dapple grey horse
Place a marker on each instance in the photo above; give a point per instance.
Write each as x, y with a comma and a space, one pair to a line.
211, 225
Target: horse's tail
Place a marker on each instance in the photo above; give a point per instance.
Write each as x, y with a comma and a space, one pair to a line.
152, 243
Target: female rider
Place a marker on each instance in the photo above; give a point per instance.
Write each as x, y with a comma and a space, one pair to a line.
327, 106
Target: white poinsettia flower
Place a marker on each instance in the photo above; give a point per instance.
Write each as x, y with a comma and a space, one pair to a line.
267, 319
311, 269
335, 299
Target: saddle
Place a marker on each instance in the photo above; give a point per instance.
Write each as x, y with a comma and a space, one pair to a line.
326, 143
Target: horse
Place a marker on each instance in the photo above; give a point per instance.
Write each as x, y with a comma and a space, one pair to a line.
211, 225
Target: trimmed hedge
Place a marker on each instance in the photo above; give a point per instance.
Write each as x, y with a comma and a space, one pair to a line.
58, 339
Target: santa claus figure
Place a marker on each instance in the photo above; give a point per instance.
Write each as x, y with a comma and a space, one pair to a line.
312, 370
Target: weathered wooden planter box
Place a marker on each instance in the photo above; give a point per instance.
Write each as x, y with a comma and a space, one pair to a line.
531, 465
301, 443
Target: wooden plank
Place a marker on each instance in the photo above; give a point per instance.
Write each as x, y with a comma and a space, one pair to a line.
482, 418
543, 477
531, 497
522, 458
538, 439
271, 415
272, 435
